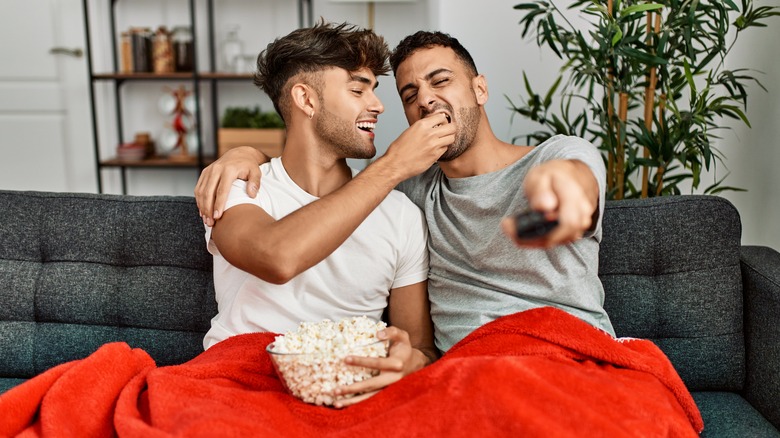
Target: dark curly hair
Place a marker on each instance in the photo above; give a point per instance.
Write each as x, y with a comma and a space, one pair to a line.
311, 50
427, 40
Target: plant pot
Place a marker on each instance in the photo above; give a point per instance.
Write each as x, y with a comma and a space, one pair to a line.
267, 141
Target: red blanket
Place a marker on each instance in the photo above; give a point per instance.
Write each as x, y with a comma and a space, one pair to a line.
537, 373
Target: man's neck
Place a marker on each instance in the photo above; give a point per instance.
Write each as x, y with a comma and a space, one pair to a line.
313, 170
486, 154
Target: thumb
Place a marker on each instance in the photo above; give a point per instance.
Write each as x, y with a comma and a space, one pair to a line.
541, 196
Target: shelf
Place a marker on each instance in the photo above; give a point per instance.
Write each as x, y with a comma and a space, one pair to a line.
187, 76
199, 81
226, 76
183, 76
191, 161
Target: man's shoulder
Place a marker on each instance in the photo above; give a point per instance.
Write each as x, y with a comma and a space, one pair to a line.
418, 186
559, 143
397, 199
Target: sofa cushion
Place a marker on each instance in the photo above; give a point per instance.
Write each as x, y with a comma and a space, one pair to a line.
727, 414
671, 273
80, 270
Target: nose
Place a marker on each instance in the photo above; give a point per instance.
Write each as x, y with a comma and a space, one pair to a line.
376, 106
426, 101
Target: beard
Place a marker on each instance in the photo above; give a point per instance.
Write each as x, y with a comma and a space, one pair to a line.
468, 122
466, 130
342, 136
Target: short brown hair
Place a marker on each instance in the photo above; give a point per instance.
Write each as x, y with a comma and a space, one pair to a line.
427, 40
312, 50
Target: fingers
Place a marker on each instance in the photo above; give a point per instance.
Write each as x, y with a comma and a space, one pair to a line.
203, 198
376, 363
438, 120
393, 334
391, 368
253, 181
214, 185
399, 352
539, 191
222, 191
554, 189
368, 386
343, 403
442, 128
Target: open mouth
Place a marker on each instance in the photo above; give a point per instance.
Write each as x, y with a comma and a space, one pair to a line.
366, 126
447, 116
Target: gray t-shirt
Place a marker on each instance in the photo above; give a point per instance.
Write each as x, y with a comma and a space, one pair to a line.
477, 274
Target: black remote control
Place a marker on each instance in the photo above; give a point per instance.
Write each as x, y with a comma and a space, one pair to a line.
532, 225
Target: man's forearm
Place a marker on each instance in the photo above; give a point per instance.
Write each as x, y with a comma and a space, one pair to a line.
307, 236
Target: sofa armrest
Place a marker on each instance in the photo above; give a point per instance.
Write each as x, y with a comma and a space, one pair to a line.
761, 282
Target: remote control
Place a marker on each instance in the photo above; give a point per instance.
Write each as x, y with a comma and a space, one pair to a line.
532, 224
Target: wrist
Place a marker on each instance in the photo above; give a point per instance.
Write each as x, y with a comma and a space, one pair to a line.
425, 357
259, 156
385, 172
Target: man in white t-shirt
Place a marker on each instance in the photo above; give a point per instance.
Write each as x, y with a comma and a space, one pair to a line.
310, 246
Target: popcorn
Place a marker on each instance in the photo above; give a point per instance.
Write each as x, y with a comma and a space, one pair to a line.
310, 360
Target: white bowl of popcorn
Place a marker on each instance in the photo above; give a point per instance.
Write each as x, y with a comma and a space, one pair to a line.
310, 360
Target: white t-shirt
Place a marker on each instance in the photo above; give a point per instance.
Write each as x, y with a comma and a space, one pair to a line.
388, 250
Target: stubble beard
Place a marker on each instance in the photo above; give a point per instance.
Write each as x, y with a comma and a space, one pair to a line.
342, 137
468, 123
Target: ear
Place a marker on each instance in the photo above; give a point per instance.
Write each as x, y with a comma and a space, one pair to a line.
479, 85
304, 99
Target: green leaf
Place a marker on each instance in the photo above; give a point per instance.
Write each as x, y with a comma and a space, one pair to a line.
526, 6
642, 56
689, 76
617, 37
548, 97
640, 8
731, 5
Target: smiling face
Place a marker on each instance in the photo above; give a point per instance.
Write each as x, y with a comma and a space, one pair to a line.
434, 80
348, 112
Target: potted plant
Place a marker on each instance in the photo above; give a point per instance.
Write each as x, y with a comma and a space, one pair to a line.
645, 82
241, 126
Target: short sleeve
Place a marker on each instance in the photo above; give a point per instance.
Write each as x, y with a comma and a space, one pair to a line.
413, 261
237, 196
576, 148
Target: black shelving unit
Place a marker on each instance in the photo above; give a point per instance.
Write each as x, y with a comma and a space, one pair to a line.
195, 78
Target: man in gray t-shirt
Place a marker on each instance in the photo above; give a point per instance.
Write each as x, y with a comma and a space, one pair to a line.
477, 272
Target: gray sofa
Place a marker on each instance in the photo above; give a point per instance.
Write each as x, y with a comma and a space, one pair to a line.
80, 270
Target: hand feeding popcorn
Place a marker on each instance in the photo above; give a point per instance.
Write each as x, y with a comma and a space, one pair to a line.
310, 360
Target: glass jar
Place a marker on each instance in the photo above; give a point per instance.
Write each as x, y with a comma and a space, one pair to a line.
142, 49
183, 50
232, 48
162, 51
126, 51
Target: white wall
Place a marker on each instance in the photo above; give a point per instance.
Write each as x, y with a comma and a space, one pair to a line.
752, 155
490, 30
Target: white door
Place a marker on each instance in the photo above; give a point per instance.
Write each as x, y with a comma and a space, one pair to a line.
45, 122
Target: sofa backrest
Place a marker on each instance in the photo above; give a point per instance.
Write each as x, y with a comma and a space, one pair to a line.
671, 273
80, 270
